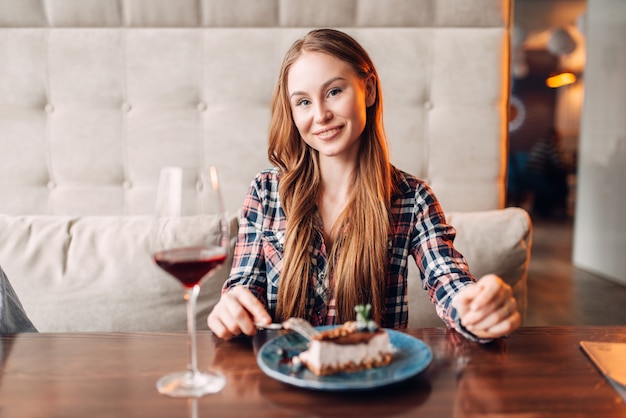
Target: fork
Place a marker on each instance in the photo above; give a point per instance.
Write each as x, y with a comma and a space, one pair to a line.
299, 325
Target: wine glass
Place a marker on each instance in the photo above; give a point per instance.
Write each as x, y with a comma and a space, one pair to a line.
190, 241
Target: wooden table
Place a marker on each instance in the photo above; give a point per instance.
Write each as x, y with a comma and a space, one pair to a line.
535, 372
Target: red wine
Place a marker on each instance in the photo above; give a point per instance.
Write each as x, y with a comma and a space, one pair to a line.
190, 264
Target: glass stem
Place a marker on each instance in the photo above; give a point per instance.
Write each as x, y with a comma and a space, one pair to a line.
192, 295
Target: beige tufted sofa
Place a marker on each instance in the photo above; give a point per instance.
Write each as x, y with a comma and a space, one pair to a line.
97, 96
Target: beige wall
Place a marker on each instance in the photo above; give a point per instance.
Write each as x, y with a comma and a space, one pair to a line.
600, 227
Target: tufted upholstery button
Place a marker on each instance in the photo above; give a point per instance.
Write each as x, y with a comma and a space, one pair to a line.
428, 105
49, 108
127, 185
51, 185
201, 107
126, 107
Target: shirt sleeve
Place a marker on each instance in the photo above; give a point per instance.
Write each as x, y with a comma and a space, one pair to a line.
444, 269
248, 268
13, 318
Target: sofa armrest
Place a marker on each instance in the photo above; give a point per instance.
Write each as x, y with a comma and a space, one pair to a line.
494, 241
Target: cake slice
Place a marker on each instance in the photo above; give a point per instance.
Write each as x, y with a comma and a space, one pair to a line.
351, 347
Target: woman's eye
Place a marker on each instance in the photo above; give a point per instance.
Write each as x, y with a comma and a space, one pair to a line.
303, 102
334, 92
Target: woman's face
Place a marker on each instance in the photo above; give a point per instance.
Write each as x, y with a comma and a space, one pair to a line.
328, 103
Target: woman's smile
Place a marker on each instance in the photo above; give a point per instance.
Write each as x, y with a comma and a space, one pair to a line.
327, 134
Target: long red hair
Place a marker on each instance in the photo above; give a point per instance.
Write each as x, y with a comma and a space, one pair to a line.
358, 260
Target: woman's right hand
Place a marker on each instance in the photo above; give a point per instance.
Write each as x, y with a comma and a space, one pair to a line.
236, 312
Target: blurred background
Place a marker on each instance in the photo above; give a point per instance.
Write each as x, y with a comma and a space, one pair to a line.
547, 89
567, 160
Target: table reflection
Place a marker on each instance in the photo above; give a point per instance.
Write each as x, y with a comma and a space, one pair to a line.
479, 382
6, 344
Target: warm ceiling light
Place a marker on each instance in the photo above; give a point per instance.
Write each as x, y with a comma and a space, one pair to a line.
560, 80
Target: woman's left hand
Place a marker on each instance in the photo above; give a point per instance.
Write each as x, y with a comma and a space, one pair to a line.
488, 308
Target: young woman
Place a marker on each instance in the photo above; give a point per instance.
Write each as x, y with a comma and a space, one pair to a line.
333, 224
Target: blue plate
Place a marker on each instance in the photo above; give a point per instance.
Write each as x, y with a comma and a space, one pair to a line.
412, 357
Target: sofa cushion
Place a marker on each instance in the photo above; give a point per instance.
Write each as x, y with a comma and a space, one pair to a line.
494, 241
96, 274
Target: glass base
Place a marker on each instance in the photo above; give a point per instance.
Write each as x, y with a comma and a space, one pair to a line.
191, 385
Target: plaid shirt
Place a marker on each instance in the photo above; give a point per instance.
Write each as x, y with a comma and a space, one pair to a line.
418, 228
